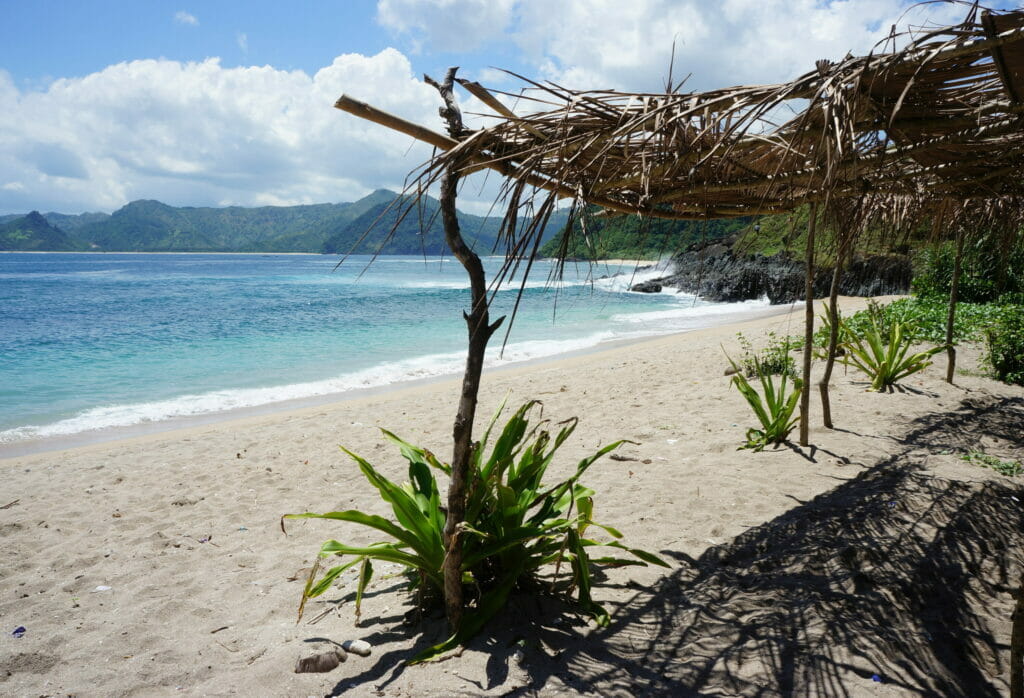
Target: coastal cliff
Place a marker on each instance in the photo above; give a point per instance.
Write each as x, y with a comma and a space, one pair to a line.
717, 272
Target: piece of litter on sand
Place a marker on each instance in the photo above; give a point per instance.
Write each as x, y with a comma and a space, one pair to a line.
242, 528
101, 587
19, 631
876, 678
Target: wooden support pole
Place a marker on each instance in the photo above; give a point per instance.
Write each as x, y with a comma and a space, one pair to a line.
833, 334
1017, 646
805, 395
480, 331
954, 292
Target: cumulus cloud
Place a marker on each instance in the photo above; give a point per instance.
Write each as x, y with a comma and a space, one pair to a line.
203, 134
628, 45
182, 17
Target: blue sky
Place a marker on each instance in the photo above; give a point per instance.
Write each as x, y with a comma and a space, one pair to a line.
46, 39
225, 102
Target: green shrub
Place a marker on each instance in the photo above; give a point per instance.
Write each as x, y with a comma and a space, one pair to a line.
1005, 351
775, 409
979, 280
775, 359
924, 319
516, 527
884, 358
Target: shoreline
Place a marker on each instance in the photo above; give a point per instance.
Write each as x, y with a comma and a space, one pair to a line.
98, 437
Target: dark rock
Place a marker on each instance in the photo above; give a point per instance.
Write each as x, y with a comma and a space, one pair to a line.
646, 287
717, 273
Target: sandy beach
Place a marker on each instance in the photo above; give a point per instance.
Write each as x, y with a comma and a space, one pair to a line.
876, 562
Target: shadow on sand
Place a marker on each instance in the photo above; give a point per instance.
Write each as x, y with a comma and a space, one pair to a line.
894, 576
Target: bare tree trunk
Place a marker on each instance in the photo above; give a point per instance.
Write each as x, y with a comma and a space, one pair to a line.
954, 290
833, 335
480, 331
1017, 646
805, 396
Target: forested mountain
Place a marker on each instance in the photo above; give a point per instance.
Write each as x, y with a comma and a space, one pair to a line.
32, 233
152, 226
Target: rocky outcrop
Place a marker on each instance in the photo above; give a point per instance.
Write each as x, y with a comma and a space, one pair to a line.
715, 272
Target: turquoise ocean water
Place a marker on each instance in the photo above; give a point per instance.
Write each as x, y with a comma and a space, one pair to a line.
100, 341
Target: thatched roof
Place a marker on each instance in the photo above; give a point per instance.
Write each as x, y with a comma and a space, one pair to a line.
936, 124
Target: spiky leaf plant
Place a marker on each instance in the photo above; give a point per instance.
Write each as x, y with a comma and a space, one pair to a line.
517, 529
885, 360
775, 408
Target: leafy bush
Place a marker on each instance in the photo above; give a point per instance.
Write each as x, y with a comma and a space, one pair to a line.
979, 280
775, 410
1005, 351
775, 359
884, 359
516, 527
924, 319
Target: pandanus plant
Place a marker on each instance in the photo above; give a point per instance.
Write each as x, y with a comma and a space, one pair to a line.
517, 529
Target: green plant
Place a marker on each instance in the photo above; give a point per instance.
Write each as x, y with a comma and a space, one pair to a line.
883, 359
1005, 350
775, 359
516, 528
1010, 468
775, 410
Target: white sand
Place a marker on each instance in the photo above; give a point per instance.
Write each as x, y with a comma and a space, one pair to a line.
183, 527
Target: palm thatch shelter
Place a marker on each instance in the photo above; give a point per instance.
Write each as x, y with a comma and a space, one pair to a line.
927, 129
930, 133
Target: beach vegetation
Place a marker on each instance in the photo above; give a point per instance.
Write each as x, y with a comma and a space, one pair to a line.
884, 357
1005, 347
1010, 468
999, 325
775, 406
518, 532
993, 270
775, 358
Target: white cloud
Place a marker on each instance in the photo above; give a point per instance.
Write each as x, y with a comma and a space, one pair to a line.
202, 134
182, 17
243, 42
628, 45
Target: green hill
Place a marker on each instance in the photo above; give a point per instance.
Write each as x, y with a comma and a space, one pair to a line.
152, 226
371, 232
33, 233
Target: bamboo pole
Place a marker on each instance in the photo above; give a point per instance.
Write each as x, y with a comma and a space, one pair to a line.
954, 291
805, 395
